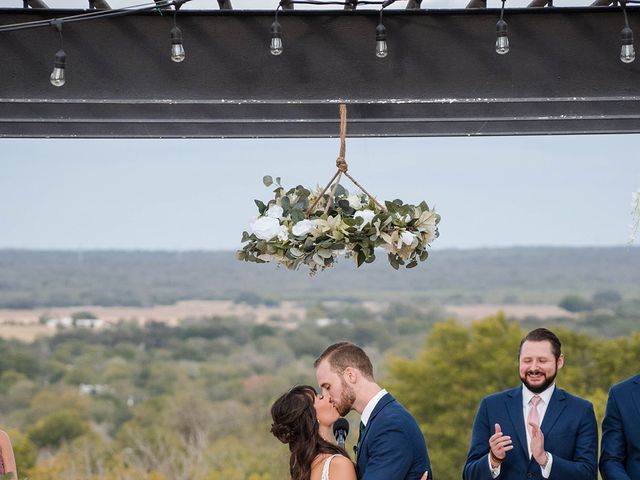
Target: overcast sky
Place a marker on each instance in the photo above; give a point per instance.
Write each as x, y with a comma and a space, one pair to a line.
198, 194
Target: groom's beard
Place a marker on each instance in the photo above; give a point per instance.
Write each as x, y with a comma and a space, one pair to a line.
347, 399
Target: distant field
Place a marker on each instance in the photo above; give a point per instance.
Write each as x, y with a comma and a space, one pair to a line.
25, 324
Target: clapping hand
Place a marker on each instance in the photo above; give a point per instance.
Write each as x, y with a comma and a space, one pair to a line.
537, 444
425, 476
499, 444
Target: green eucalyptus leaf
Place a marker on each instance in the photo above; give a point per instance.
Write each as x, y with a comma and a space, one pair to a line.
296, 216
267, 180
261, 206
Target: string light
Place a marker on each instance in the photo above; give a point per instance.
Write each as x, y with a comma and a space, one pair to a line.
381, 33
502, 41
177, 49
627, 52
381, 39
276, 45
276, 35
57, 77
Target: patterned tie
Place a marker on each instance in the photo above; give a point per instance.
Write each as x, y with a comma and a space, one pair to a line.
534, 415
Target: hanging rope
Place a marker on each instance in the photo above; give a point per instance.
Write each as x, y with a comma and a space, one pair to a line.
343, 168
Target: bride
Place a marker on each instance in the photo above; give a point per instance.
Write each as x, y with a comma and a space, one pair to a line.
302, 419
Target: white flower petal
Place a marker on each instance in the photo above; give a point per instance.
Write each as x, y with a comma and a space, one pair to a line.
265, 228
275, 211
303, 227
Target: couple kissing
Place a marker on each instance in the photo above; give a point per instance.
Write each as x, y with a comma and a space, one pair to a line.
390, 444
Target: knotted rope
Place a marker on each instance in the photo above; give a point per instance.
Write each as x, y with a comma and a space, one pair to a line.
343, 168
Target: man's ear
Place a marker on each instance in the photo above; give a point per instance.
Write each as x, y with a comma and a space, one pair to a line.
351, 374
560, 362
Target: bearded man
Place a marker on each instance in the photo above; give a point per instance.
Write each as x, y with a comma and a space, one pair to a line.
535, 430
390, 444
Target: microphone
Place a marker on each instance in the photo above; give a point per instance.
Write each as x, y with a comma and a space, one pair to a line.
341, 430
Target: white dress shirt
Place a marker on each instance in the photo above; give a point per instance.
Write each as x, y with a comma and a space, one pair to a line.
545, 398
368, 410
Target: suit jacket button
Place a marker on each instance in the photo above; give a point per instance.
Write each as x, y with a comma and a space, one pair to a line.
529, 475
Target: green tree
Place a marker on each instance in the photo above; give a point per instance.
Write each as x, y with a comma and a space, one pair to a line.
461, 363
57, 427
25, 452
575, 303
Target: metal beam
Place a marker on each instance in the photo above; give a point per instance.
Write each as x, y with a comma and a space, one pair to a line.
442, 75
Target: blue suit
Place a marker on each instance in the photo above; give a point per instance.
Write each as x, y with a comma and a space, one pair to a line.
391, 447
620, 458
570, 436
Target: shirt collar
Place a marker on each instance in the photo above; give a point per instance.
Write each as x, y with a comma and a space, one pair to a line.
368, 410
527, 394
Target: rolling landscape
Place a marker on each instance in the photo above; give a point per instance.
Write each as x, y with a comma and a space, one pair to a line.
163, 365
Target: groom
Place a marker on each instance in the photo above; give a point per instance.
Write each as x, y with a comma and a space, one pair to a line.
391, 445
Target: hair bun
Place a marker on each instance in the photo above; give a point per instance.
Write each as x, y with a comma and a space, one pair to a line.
283, 433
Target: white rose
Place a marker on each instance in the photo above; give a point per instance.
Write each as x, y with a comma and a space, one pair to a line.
303, 227
407, 238
275, 211
366, 215
265, 228
354, 201
283, 233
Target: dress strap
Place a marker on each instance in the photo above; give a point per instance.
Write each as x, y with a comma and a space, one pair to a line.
325, 467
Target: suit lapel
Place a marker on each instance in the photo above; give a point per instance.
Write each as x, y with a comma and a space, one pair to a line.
384, 401
635, 393
514, 408
556, 406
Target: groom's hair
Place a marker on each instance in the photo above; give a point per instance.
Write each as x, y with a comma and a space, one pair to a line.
346, 354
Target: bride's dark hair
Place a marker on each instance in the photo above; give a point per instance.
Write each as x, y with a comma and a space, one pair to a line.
295, 423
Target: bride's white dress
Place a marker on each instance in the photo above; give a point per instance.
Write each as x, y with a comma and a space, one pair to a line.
325, 467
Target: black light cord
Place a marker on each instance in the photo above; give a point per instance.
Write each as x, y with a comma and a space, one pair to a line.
623, 5
94, 15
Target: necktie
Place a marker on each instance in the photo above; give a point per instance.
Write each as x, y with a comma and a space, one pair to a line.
356, 447
534, 415
361, 428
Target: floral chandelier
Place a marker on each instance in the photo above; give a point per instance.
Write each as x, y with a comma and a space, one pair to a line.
302, 227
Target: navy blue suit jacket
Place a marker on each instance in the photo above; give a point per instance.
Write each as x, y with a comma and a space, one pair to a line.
391, 447
570, 436
620, 459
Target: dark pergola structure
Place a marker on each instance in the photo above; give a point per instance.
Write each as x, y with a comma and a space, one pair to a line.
442, 76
